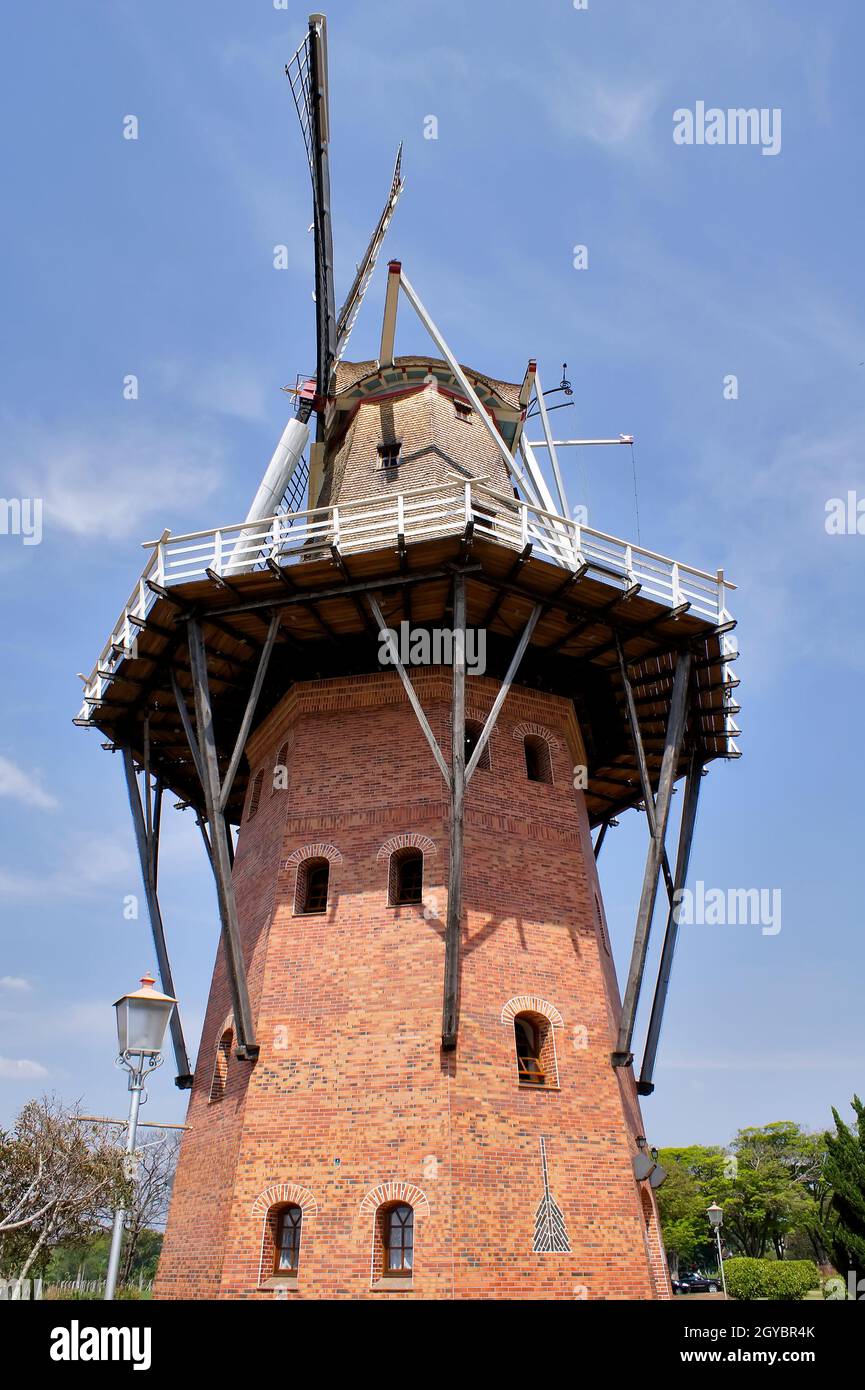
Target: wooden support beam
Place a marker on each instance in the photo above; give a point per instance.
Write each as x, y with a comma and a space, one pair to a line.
306, 596
645, 1085
247, 1047
147, 861
501, 696
645, 780
191, 738
605, 825
410, 692
622, 1057
450, 1008
249, 713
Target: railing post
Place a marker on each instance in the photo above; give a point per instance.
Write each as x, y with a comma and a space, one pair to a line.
468, 504
217, 551
722, 607
400, 519
276, 537
629, 564
336, 527
524, 524
677, 588
160, 563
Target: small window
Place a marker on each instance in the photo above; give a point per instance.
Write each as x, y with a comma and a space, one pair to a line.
530, 1037
463, 411
397, 1236
220, 1066
473, 733
255, 796
286, 1257
406, 876
538, 765
389, 455
313, 879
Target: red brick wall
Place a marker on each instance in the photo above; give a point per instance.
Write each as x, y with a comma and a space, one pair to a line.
351, 1091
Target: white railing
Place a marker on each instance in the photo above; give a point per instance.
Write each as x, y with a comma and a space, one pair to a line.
382, 522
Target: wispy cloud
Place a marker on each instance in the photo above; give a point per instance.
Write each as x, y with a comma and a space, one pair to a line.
15, 982
25, 787
91, 864
110, 482
20, 1069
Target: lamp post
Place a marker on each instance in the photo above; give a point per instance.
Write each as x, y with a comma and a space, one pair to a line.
142, 1018
716, 1216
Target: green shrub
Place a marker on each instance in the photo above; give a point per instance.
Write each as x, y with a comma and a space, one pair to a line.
782, 1280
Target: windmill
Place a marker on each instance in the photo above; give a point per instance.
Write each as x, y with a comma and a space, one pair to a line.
254, 648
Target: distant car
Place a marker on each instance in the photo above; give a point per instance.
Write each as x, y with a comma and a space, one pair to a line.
696, 1283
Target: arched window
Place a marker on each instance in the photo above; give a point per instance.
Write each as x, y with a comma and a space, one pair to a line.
220, 1066
255, 795
538, 765
396, 1229
536, 1050
313, 878
529, 1041
405, 882
474, 729
286, 1254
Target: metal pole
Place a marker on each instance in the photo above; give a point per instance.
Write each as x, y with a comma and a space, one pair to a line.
136, 1086
720, 1260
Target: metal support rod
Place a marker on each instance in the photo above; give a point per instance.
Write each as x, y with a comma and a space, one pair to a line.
458, 787
247, 1047
147, 859
465, 384
505, 686
410, 692
249, 712
645, 1085
645, 780
550, 443
672, 749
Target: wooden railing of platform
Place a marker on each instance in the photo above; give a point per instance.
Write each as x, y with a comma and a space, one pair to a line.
402, 519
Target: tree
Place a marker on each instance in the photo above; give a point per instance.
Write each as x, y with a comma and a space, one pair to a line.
844, 1172
59, 1176
151, 1192
682, 1203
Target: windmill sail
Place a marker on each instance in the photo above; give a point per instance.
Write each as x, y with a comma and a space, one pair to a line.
351, 308
551, 1234
307, 75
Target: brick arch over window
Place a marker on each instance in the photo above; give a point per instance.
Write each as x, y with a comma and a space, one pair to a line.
321, 851
407, 841
528, 729
388, 1193
281, 1195
531, 1004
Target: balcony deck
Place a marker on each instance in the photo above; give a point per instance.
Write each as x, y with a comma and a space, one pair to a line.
315, 566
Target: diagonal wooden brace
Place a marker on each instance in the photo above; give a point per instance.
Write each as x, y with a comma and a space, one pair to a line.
645, 1085
622, 1056
147, 857
247, 1047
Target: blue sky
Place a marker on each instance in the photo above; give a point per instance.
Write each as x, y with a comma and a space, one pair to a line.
155, 257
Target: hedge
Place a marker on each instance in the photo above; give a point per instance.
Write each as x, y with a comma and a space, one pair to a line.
785, 1280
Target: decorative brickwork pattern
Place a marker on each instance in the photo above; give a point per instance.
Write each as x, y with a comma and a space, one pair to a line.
409, 840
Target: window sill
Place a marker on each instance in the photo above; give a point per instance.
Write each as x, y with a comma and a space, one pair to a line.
532, 1086
397, 1285
279, 1281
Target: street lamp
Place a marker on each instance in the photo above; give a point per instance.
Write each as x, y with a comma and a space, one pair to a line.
716, 1216
142, 1018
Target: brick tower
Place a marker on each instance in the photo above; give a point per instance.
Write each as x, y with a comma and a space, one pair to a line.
414, 700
